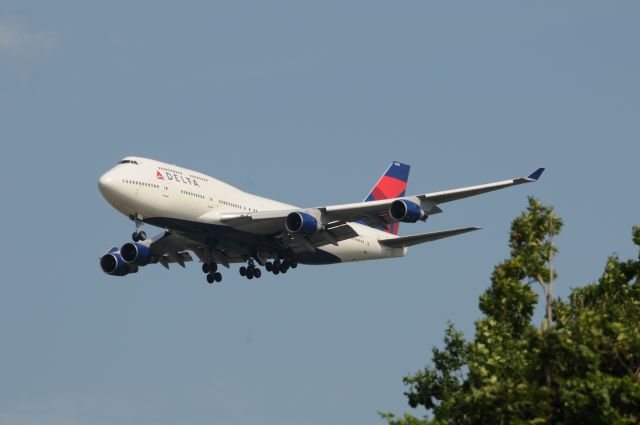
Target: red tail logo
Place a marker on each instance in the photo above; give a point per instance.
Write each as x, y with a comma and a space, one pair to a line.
392, 184
159, 175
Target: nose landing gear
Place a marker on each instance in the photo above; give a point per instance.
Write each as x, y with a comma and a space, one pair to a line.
138, 235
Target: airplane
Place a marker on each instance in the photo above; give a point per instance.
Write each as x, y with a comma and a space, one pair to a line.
223, 225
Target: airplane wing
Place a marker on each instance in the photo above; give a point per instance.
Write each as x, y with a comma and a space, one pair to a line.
374, 213
428, 201
332, 235
169, 248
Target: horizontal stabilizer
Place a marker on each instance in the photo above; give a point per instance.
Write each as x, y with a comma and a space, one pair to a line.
406, 241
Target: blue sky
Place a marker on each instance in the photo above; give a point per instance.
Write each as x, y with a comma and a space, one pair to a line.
306, 103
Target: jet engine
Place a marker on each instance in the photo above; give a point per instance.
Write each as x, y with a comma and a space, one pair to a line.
301, 222
113, 264
135, 253
406, 211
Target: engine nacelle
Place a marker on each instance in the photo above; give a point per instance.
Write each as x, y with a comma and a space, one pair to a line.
301, 222
113, 264
135, 253
406, 211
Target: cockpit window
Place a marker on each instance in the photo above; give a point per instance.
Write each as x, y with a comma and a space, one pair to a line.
128, 161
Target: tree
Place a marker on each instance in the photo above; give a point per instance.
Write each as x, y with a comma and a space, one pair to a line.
581, 367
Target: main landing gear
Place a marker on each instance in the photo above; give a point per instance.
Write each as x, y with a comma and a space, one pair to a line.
250, 271
280, 266
211, 269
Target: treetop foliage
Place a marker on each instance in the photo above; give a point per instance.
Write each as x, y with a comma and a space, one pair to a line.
581, 367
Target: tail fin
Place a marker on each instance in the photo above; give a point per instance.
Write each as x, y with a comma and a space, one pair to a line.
393, 184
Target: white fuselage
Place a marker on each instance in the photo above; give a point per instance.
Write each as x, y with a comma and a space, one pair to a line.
160, 193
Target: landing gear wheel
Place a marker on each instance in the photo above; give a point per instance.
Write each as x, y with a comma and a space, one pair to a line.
206, 268
251, 272
257, 273
138, 236
243, 271
284, 267
268, 266
293, 264
210, 278
275, 271
217, 277
213, 267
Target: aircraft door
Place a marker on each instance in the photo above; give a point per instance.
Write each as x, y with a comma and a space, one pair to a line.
165, 190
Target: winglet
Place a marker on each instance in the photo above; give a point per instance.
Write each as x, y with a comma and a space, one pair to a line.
536, 174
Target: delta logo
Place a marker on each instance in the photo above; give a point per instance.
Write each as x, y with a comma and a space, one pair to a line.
176, 177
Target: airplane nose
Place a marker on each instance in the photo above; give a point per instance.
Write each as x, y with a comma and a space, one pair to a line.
106, 183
